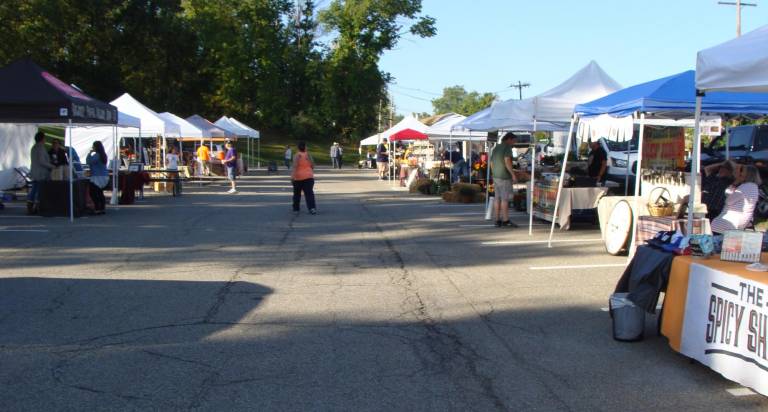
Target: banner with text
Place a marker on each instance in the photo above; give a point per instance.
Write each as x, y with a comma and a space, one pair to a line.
726, 324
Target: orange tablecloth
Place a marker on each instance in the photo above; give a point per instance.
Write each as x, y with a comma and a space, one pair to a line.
716, 313
677, 290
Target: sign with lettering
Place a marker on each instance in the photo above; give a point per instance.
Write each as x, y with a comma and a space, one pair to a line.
664, 148
726, 325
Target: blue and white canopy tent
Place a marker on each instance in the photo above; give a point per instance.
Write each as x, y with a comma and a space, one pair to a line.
669, 98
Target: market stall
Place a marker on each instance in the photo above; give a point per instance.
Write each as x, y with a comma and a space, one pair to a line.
714, 311
213, 134
31, 95
548, 111
650, 104
251, 134
242, 133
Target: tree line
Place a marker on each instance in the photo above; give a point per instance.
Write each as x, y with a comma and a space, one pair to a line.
284, 67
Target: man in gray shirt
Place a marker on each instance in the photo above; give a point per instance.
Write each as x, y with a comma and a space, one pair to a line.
39, 171
503, 178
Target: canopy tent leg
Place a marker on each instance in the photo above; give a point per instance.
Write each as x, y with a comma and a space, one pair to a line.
533, 174
71, 183
562, 177
629, 165
488, 204
638, 175
115, 168
695, 160
258, 154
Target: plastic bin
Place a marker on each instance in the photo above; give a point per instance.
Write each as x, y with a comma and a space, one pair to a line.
628, 319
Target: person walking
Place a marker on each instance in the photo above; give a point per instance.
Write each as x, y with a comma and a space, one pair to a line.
288, 157
503, 178
230, 162
39, 171
97, 162
334, 155
303, 180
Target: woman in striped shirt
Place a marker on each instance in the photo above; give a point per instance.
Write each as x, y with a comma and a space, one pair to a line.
741, 200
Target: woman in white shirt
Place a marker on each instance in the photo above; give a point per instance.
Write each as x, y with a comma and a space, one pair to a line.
172, 160
740, 202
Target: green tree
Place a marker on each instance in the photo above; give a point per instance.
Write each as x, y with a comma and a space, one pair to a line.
353, 84
455, 99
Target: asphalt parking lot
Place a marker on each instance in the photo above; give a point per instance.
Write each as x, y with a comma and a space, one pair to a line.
383, 301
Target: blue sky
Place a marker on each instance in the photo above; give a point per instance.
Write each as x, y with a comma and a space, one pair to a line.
485, 45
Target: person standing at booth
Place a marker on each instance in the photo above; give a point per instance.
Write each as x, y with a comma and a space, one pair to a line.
303, 180
230, 162
203, 158
97, 162
503, 178
382, 159
39, 171
288, 157
334, 154
597, 163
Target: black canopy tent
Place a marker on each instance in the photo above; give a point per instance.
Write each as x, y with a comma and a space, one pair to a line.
31, 95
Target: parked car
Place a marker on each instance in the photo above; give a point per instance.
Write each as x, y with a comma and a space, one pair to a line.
746, 144
621, 155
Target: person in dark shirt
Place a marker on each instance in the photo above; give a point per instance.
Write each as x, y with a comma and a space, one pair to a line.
58, 154
717, 178
598, 163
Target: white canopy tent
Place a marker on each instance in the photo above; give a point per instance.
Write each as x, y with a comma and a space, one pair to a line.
254, 134
227, 124
556, 105
738, 65
84, 136
186, 129
152, 125
548, 111
408, 122
448, 128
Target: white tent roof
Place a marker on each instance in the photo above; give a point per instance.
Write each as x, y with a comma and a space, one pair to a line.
84, 136
187, 129
555, 105
208, 128
738, 65
151, 123
253, 133
446, 128
408, 122
126, 120
228, 125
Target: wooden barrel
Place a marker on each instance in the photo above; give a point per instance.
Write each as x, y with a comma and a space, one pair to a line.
618, 229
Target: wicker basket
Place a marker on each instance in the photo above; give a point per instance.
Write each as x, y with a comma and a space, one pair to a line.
660, 206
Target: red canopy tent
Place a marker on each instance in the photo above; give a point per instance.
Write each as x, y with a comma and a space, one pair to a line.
408, 134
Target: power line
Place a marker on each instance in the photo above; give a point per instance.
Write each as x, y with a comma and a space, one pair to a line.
415, 90
411, 96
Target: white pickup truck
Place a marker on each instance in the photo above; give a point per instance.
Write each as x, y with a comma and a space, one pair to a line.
620, 156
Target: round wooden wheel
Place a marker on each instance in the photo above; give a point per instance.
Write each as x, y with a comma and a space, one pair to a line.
618, 229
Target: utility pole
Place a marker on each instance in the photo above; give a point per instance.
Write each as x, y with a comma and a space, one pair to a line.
738, 5
379, 128
519, 86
